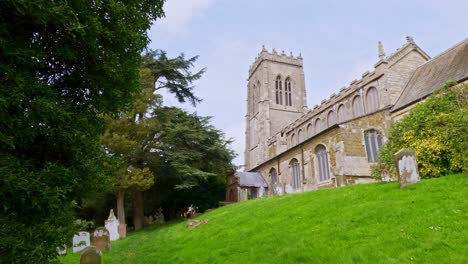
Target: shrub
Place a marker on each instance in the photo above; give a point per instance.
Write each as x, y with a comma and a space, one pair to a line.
437, 129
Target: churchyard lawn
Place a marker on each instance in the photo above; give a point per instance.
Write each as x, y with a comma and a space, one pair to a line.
371, 223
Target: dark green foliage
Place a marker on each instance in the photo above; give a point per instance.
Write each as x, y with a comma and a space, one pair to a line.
63, 63
437, 130
173, 74
195, 159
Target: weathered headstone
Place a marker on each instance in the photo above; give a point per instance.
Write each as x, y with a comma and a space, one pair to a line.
405, 161
288, 189
80, 241
101, 238
90, 255
62, 251
261, 192
112, 225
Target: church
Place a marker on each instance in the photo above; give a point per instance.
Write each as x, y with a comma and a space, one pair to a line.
291, 148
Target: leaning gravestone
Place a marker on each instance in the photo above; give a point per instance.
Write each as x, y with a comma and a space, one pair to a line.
80, 241
112, 225
90, 255
101, 238
405, 161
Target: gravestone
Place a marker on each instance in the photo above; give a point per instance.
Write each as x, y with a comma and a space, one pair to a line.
261, 192
90, 255
277, 189
405, 161
80, 241
101, 238
62, 251
112, 225
288, 189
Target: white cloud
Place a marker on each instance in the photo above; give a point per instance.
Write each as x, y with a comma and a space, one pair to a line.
179, 14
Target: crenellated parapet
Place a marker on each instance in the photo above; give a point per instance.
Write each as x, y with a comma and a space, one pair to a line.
276, 57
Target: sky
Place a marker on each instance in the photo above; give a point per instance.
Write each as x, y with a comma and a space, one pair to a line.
337, 39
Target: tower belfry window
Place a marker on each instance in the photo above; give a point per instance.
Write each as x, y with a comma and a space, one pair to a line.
287, 92
279, 91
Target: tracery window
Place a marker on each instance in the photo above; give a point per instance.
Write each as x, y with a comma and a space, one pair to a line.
296, 174
287, 92
279, 91
322, 163
373, 142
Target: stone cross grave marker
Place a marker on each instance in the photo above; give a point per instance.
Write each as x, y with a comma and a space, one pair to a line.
80, 241
405, 161
90, 255
101, 238
112, 225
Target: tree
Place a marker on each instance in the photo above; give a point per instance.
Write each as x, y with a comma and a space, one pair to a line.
194, 160
173, 74
63, 65
131, 136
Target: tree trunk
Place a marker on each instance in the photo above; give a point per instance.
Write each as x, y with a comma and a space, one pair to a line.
138, 213
121, 206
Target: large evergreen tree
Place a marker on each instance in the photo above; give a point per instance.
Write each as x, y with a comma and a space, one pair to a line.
62, 65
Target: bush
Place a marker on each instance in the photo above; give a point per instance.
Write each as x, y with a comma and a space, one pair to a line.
436, 129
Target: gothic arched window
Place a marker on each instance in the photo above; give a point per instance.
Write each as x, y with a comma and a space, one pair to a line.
322, 163
341, 113
279, 91
300, 136
296, 174
357, 106
293, 139
331, 118
287, 92
373, 142
310, 130
372, 99
318, 126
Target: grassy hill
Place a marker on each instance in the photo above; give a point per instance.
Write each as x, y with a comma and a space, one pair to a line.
372, 223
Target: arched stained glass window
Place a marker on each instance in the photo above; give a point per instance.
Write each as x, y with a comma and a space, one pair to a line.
322, 163
296, 174
373, 141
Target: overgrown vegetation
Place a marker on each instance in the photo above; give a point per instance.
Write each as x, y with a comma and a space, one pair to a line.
437, 129
369, 223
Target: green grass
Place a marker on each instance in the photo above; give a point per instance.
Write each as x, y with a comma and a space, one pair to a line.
371, 223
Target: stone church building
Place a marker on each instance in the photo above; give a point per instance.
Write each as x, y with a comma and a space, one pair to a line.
296, 149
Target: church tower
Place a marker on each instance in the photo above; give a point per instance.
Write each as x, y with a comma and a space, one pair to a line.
276, 97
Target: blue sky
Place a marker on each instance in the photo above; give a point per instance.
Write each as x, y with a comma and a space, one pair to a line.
337, 39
